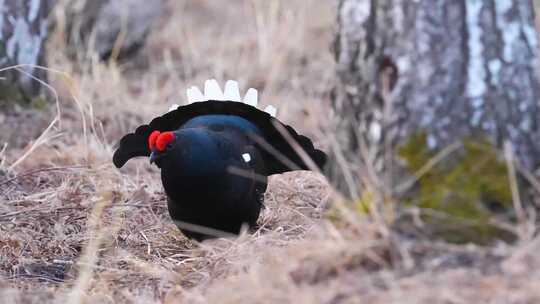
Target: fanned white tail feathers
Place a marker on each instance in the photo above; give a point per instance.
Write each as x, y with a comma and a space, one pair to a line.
271, 110
212, 91
232, 92
194, 94
173, 107
251, 97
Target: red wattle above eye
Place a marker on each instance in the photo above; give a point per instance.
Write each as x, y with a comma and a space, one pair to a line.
152, 140
163, 140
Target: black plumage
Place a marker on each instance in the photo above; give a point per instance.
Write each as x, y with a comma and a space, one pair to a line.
214, 169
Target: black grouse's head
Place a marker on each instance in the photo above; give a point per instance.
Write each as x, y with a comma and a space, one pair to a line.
160, 145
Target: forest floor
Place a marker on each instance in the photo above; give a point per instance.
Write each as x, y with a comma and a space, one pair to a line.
75, 229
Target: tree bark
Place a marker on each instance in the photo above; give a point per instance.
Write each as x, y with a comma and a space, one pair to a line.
448, 69
23, 32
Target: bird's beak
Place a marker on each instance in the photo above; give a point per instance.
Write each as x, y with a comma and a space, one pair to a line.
153, 156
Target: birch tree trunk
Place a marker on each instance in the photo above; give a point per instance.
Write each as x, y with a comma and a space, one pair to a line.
448, 70
23, 32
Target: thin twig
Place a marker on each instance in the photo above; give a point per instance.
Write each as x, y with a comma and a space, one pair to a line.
512, 178
403, 187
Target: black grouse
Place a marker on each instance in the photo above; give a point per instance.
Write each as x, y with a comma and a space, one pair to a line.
215, 155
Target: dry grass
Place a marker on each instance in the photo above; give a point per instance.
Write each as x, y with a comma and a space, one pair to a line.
74, 229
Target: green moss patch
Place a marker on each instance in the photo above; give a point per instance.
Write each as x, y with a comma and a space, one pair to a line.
462, 194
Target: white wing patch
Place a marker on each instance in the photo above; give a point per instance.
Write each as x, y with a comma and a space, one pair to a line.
246, 157
212, 91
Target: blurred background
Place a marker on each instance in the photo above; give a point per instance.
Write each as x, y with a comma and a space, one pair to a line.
138, 57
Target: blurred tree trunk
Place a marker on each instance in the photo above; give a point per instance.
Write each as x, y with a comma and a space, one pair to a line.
23, 32
445, 70
110, 28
